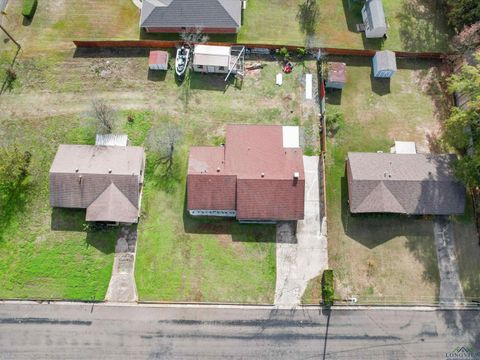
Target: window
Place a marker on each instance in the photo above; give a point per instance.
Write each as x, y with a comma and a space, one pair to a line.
221, 68
199, 67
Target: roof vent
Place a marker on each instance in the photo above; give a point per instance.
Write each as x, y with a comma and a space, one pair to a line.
109, 171
218, 169
262, 175
296, 175
76, 170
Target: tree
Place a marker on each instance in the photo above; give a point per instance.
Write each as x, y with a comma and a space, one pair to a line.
462, 129
192, 36
467, 40
163, 142
14, 165
105, 117
463, 12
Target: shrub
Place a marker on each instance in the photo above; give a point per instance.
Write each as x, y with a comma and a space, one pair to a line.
334, 121
301, 52
29, 7
328, 288
283, 52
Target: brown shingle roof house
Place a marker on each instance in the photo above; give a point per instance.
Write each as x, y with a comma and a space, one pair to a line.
173, 16
414, 184
104, 180
257, 175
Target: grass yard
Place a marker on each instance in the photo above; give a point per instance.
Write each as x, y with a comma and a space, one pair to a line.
56, 23
414, 25
49, 254
181, 258
386, 258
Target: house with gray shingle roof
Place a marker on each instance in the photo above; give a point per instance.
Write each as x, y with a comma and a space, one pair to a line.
174, 16
105, 180
413, 184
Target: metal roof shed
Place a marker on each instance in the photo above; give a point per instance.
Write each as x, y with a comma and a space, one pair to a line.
374, 19
384, 64
337, 75
158, 60
212, 59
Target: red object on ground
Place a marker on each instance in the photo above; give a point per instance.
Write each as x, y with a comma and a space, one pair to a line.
288, 68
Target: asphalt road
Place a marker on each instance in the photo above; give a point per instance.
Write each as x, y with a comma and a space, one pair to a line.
78, 331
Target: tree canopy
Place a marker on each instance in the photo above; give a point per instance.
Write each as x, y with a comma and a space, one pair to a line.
462, 129
463, 12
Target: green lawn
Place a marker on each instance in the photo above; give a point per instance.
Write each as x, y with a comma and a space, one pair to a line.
386, 258
181, 258
49, 254
414, 25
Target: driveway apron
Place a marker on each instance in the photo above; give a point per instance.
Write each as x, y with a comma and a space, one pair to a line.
301, 256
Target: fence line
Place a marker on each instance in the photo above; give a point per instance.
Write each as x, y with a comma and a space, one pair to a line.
324, 50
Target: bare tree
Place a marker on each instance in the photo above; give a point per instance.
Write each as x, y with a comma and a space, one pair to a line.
105, 117
163, 141
192, 36
307, 16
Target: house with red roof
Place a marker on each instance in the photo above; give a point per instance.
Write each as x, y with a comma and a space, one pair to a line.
257, 175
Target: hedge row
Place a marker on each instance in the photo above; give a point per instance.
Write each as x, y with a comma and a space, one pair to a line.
328, 292
29, 7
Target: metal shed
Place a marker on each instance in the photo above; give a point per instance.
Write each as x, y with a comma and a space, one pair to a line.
212, 59
158, 60
384, 64
337, 75
374, 19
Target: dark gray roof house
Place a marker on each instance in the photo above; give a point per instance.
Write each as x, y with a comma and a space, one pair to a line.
414, 184
104, 180
170, 16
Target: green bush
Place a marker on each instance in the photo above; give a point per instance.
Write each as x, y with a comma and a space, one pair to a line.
328, 291
29, 7
283, 52
334, 121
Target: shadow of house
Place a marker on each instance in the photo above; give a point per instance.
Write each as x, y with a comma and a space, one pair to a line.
380, 86
109, 52
103, 240
259, 233
333, 96
352, 10
156, 75
210, 82
64, 219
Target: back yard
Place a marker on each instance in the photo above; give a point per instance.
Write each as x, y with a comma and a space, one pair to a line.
414, 25
388, 258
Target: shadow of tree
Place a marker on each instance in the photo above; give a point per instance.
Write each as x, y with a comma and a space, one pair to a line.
307, 16
420, 25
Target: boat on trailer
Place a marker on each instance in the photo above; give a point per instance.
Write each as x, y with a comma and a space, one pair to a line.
181, 60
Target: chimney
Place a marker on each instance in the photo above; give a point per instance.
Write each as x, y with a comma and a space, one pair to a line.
76, 170
218, 169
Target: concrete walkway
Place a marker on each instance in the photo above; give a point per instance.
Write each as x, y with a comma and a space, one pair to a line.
122, 286
451, 292
303, 256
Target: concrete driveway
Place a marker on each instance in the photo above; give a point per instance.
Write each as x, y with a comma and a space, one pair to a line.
451, 292
122, 286
304, 255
